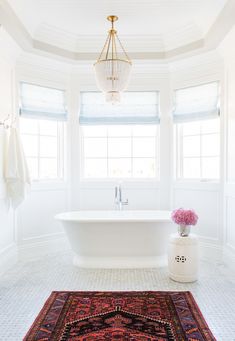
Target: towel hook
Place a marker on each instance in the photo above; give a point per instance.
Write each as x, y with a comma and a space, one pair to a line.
8, 125
3, 123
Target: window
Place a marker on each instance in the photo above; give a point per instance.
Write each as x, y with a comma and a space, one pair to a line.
197, 133
42, 130
123, 151
43, 142
116, 141
198, 149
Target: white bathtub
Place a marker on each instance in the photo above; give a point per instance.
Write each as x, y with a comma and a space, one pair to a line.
118, 239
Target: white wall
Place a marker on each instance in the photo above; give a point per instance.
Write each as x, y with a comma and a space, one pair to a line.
141, 194
229, 192
37, 231
227, 50
7, 226
204, 197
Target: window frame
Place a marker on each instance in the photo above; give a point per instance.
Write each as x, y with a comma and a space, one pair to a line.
178, 154
61, 159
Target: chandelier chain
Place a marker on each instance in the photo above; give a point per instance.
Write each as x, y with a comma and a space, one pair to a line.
108, 47
111, 40
115, 48
105, 44
123, 49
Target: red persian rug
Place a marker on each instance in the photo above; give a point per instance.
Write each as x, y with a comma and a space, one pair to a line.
123, 316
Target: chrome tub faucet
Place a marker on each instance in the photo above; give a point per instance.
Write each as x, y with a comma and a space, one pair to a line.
118, 198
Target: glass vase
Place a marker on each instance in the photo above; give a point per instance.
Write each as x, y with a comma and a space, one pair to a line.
184, 230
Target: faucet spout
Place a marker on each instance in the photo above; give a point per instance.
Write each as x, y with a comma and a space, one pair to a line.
118, 198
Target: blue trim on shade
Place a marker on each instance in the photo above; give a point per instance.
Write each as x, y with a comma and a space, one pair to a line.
59, 116
118, 120
189, 117
95, 111
34, 102
196, 103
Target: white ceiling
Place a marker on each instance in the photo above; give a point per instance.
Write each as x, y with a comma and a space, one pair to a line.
143, 26
75, 30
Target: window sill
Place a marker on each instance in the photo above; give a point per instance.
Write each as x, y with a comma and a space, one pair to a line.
211, 185
126, 183
45, 185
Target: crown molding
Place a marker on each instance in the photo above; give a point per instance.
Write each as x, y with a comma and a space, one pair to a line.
93, 43
222, 25
14, 27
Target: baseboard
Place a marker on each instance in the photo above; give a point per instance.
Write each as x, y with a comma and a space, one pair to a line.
229, 257
35, 248
8, 257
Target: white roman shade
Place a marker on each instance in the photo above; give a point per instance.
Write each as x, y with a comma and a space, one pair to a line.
135, 108
196, 103
42, 102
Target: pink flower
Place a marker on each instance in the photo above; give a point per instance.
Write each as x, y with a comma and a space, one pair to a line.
184, 217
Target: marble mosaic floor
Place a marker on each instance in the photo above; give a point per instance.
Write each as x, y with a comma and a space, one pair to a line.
25, 287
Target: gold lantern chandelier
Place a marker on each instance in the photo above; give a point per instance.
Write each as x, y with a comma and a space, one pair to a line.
112, 69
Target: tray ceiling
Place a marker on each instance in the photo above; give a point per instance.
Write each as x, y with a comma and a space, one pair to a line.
153, 27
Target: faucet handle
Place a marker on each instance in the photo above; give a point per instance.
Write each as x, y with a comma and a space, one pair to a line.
125, 202
116, 195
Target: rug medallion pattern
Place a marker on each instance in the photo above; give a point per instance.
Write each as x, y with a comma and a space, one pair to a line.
121, 316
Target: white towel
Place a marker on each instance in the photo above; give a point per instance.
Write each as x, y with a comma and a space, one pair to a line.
3, 152
16, 171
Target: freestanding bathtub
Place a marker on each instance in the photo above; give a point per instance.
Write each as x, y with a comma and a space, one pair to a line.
118, 239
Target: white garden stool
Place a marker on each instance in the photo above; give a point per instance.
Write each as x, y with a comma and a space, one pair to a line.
183, 258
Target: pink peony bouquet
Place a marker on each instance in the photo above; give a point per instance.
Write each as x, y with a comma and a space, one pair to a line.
184, 217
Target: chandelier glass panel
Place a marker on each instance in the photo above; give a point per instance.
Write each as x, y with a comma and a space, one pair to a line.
112, 69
